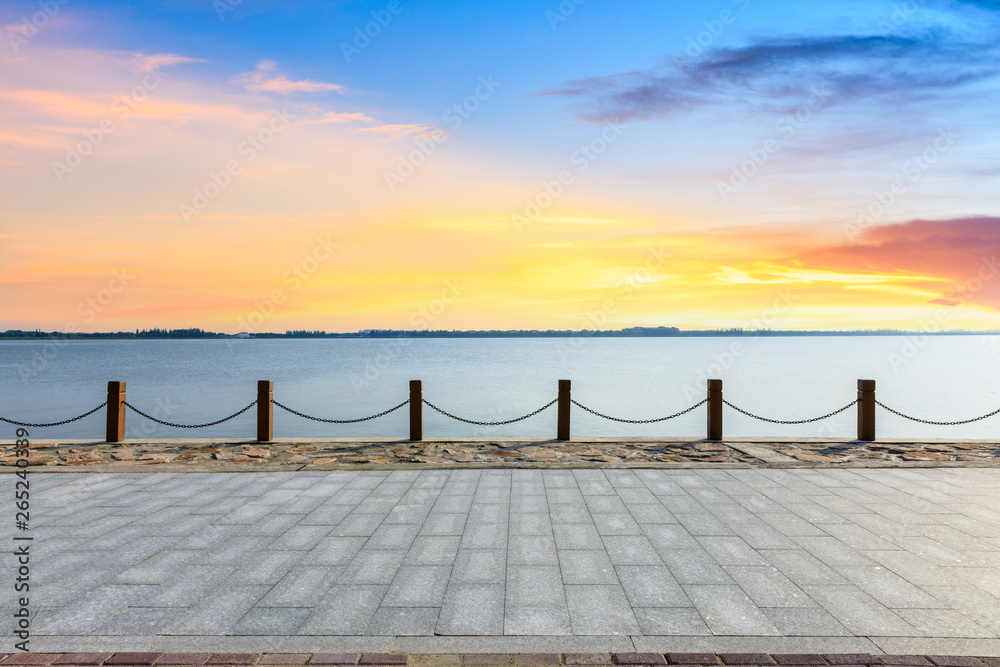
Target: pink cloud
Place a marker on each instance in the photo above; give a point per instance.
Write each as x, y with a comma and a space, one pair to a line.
963, 251
262, 79
333, 117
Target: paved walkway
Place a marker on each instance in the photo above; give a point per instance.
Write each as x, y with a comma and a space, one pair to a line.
769, 560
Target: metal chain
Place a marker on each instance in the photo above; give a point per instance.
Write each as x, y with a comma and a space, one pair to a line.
341, 421
789, 421
65, 421
925, 421
509, 421
640, 421
160, 421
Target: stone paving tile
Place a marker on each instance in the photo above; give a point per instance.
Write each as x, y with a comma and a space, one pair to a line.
694, 567
600, 610
137, 621
684, 622
586, 567
768, 587
943, 623
479, 566
631, 550
262, 620
418, 586
577, 536
880, 553
373, 566
218, 614
728, 611
651, 586
472, 609
534, 586
345, 610
860, 613
404, 621
809, 622
532, 621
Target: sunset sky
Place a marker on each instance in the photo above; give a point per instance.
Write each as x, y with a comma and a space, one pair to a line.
261, 165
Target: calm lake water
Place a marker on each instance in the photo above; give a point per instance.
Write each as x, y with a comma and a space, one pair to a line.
941, 378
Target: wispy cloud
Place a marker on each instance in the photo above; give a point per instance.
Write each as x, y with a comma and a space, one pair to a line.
139, 62
776, 74
264, 79
393, 132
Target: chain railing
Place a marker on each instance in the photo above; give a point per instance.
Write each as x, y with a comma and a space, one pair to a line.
65, 421
477, 423
866, 404
340, 421
791, 421
166, 423
933, 423
640, 421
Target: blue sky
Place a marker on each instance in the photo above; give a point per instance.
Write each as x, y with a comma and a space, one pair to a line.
827, 103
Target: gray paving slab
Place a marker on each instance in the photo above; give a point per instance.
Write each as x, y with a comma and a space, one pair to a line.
600, 610
792, 560
727, 610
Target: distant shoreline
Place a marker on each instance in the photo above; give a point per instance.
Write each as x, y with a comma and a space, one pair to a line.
383, 334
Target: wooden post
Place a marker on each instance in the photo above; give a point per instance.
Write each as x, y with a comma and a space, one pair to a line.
265, 411
562, 428
116, 411
714, 410
416, 411
866, 410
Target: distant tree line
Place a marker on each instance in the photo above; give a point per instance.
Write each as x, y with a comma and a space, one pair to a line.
629, 332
